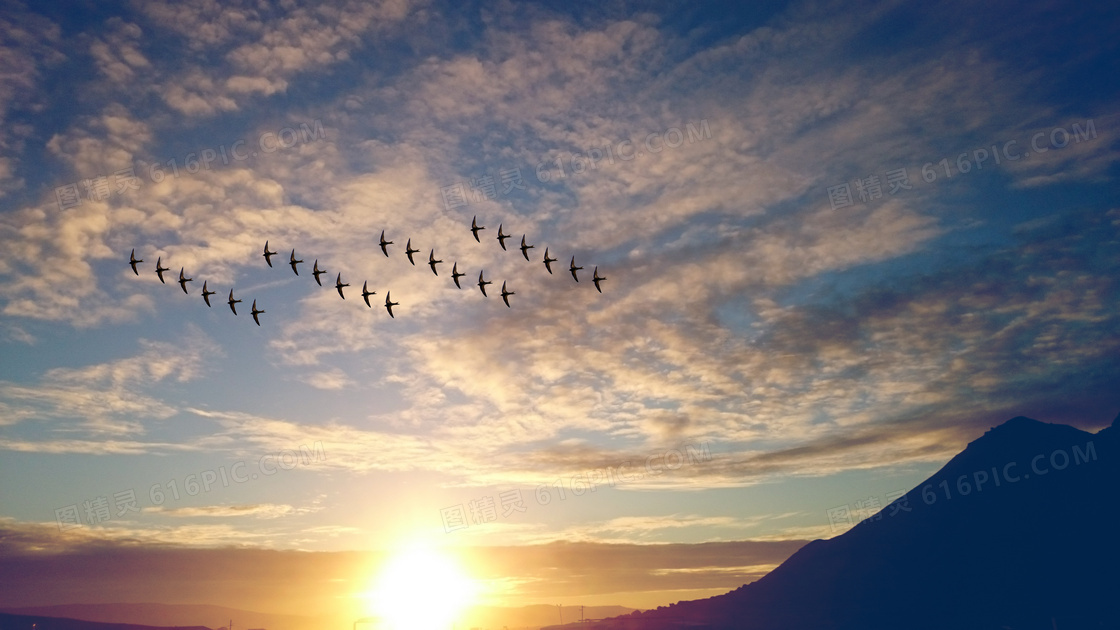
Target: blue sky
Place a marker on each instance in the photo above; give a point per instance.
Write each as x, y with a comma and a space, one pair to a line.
840, 241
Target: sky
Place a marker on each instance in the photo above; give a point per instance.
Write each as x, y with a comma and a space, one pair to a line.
840, 240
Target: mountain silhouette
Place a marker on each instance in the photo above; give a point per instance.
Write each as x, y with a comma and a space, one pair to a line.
10, 621
1038, 551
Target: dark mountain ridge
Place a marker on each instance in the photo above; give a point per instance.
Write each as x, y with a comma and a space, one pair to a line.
1018, 531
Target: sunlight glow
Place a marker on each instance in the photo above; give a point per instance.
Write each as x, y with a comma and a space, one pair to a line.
420, 588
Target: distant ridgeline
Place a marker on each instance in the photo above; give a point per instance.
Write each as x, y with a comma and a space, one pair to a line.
36, 622
1019, 531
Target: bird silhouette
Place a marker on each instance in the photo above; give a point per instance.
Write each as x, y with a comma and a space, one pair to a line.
384, 244
293, 262
160, 270
409, 251
502, 237
596, 279
132, 260
232, 302
256, 312
366, 294
338, 284
183, 280
268, 255
206, 294
548, 261
432, 262
475, 227
506, 294
573, 268
455, 275
316, 272
525, 248
389, 305
482, 283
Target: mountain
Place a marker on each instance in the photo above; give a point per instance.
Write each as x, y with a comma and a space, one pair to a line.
1018, 531
41, 622
175, 615
533, 616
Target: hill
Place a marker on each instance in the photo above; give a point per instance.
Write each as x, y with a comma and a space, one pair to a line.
1018, 531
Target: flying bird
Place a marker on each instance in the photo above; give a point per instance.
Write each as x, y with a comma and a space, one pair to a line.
432, 262
293, 262
548, 261
256, 312
455, 275
366, 294
573, 268
482, 284
502, 237
316, 272
409, 251
389, 305
475, 227
206, 294
183, 280
385, 243
506, 294
525, 248
231, 302
338, 284
268, 255
160, 270
596, 279
132, 260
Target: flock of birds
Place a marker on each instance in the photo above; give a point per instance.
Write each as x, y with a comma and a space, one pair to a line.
384, 244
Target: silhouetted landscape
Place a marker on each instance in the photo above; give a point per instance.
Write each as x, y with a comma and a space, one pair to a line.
1035, 552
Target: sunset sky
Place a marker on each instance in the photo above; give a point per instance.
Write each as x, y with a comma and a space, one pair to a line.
840, 241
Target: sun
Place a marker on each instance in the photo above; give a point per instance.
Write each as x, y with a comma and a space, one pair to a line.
420, 588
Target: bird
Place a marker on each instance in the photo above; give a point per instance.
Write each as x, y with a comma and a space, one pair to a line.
548, 261
573, 268
256, 312
293, 262
455, 275
316, 272
183, 280
389, 305
338, 284
525, 248
409, 251
475, 227
206, 294
231, 302
596, 279
132, 260
268, 255
384, 243
506, 294
432, 262
366, 294
502, 237
160, 270
482, 283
